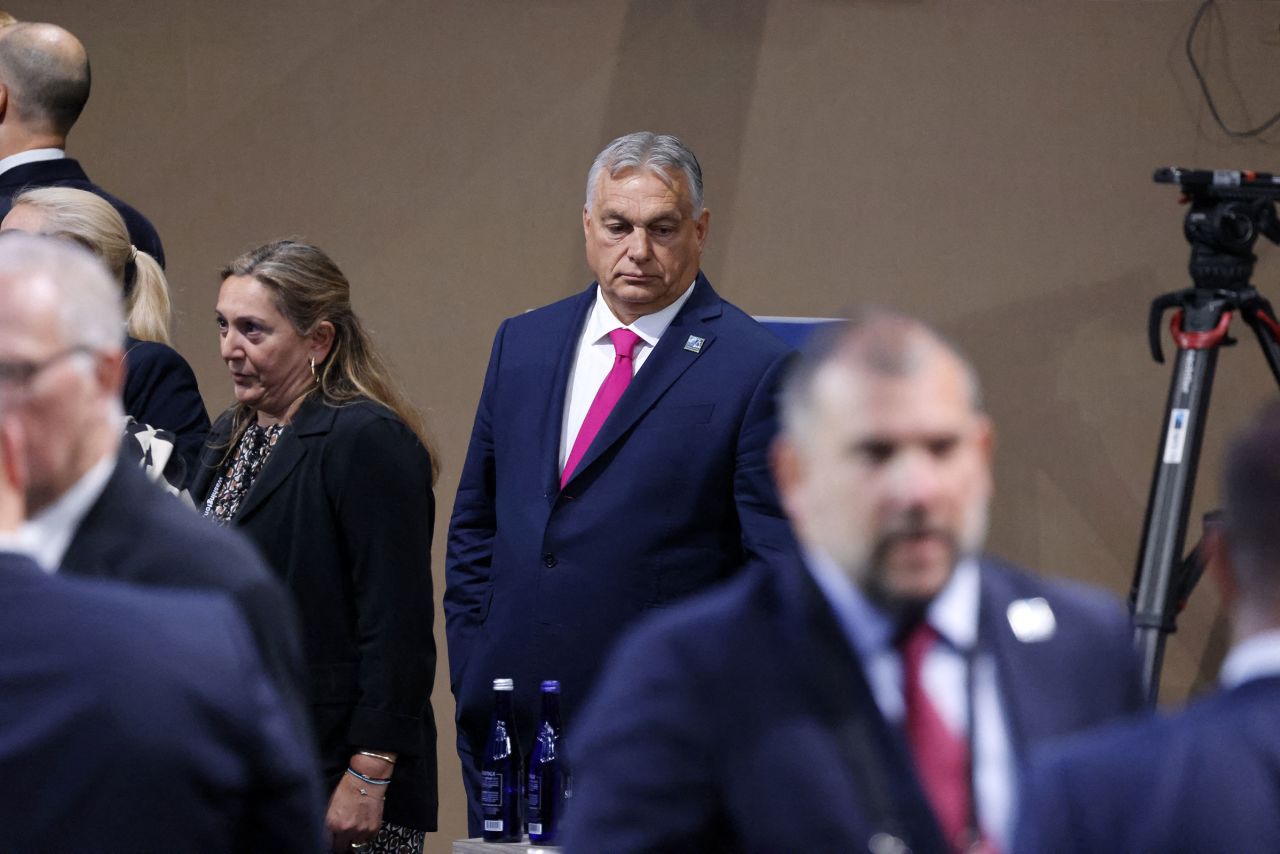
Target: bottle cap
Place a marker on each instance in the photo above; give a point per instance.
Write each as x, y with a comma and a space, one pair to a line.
551, 685
504, 684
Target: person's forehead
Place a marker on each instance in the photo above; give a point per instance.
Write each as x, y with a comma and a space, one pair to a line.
29, 312
245, 295
927, 396
642, 186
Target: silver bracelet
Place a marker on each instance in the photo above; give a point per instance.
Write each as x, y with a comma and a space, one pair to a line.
384, 757
372, 781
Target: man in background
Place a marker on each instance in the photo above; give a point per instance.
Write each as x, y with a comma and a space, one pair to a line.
44, 85
618, 459
1204, 779
877, 690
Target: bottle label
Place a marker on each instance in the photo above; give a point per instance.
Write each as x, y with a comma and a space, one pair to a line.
533, 788
491, 789
535, 828
493, 826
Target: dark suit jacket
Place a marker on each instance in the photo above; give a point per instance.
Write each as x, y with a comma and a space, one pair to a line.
140, 720
741, 721
670, 497
160, 390
68, 173
135, 532
344, 513
1200, 781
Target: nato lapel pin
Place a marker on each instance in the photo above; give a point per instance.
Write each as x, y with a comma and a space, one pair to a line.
694, 344
1032, 620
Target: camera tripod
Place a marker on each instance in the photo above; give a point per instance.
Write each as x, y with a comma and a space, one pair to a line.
1229, 211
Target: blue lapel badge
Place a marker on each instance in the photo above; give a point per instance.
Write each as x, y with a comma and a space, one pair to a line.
694, 344
1032, 620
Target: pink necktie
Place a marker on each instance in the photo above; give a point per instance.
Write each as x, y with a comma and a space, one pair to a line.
624, 342
941, 756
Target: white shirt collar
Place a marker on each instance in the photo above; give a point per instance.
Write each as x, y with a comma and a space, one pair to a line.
650, 327
46, 535
1255, 657
35, 155
953, 613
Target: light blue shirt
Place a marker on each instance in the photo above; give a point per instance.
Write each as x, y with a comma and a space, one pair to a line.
945, 673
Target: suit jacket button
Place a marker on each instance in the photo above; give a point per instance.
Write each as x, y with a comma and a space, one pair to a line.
549, 560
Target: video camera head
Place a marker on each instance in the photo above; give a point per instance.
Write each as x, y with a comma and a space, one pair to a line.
1229, 210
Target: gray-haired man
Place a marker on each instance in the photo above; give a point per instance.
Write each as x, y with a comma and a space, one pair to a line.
91, 512
618, 460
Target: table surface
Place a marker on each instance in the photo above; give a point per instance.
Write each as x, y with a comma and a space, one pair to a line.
479, 846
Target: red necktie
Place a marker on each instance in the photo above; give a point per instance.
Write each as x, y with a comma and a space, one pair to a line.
624, 342
941, 757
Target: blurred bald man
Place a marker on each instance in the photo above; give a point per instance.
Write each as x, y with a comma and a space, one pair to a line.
44, 85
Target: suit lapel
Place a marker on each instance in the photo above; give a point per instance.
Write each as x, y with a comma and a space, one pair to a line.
1013, 670
312, 418
830, 674
664, 366
567, 342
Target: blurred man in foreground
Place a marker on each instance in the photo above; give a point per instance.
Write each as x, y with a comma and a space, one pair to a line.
876, 690
136, 720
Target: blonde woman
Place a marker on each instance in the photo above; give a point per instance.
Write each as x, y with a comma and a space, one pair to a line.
160, 388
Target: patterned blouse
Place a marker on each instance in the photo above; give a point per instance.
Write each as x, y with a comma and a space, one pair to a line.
241, 471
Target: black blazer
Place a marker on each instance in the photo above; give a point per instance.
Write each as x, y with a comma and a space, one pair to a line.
143, 721
160, 390
135, 532
68, 173
344, 513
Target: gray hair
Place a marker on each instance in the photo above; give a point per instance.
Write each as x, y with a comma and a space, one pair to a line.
881, 342
661, 154
90, 312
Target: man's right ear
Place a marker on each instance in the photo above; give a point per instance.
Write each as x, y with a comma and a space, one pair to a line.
1216, 553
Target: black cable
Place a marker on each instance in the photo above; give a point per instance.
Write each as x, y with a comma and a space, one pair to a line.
1204, 86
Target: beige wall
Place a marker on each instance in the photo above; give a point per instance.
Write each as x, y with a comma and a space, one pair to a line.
985, 164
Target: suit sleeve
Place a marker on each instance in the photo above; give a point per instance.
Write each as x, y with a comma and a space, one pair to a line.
765, 530
386, 511
642, 778
1047, 819
473, 527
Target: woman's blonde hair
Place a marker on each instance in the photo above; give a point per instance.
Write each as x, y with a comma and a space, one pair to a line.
92, 222
308, 288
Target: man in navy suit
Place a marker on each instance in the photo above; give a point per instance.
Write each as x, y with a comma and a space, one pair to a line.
91, 511
136, 720
44, 85
1203, 779
618, 459
875, 690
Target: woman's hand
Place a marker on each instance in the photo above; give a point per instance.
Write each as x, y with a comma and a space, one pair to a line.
355, 808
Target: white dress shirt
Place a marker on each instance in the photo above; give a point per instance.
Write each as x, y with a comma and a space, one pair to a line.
945, 674
1255, 657
594, 358
35, 155
46, 535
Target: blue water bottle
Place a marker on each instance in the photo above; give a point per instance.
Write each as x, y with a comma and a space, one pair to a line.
546, 787
501, 772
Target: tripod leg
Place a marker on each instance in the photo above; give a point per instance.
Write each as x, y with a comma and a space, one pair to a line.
1165, 527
